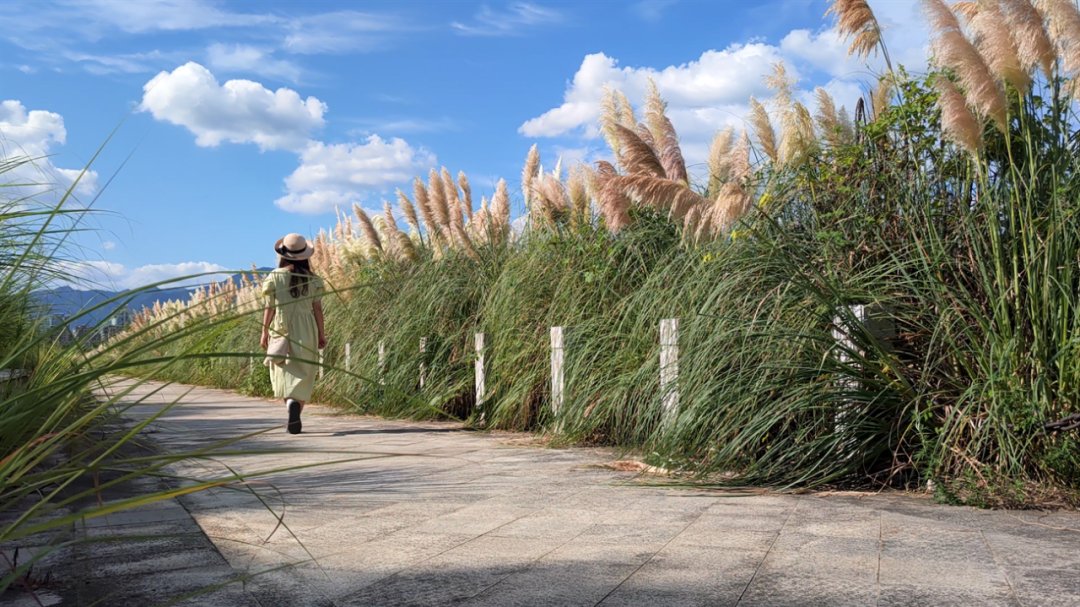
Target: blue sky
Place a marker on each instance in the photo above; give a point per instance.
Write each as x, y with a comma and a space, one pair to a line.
237, 122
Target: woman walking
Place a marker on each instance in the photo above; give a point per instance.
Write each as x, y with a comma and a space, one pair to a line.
293, 315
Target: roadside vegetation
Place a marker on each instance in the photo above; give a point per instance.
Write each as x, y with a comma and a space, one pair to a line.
880, 295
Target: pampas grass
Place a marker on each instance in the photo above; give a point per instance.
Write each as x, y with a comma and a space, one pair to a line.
637, 157
855, 20
1025, 24
957, 53
994, 43
528, 174
763, 129
1063, 20
957, 121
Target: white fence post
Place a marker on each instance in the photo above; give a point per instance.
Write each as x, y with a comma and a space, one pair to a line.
845, 346
320, 364
348, 356
423, 364
382, 362
669, 365
558, 382
480, 377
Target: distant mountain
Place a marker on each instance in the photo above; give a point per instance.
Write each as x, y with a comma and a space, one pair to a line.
69, 302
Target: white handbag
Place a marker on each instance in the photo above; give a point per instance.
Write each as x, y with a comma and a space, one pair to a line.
277, 351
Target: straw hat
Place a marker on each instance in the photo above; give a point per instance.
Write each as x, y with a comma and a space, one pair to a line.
294, 247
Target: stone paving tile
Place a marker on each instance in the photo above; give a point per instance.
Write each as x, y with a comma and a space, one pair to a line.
468, 518
782, 589
916, 595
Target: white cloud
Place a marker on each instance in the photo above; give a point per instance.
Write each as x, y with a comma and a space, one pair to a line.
108, 245
712, 91
163, 15
651, 10
510, 22
338, 175
112, 275
28, 138
250, 59
716, 78
339, 32
238, 111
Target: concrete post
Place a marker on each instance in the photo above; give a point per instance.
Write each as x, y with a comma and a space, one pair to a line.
669, 365
480, 373
423, 364
382, 362
558, 382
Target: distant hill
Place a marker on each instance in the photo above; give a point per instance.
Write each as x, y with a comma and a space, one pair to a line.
68, 302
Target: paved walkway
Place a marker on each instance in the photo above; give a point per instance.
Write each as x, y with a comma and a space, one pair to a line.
429, 514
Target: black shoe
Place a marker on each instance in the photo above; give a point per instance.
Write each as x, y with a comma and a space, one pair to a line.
294, 417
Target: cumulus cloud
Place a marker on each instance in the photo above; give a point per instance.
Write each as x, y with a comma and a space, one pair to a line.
711, 91
337, 175
716, 78
32, 135
238, 111
112, 275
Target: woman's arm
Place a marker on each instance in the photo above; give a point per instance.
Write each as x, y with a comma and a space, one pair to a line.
316, 307
268, 317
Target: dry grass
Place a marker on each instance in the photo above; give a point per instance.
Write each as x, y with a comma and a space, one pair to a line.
763, 129
957, 121
1033, 45
855, 20
957, 53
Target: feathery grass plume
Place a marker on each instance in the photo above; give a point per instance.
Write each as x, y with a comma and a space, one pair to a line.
719, 171
763, 129
642, 131
781, 84
610, 115
637, 157
390, 240
465, 242
959, 54
614, 204
408, 210
1063, 23
957, 122
881, 95
500, 206
671, 156
691, 223
626, 110
855, 20
423, 201
798, 135
453, 198
466, 190
992, 38
528, 173
371, 235
439, 205
579, 196
552, 189
827, 121
404, 247
659, 193
966, 9
655, 107
1033, 45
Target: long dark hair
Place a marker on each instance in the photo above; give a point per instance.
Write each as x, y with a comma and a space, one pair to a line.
299, 275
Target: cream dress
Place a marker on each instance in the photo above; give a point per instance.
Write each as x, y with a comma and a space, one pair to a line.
294, 318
